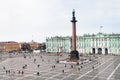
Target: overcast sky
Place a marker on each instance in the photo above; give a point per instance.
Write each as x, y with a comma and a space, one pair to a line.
26, 20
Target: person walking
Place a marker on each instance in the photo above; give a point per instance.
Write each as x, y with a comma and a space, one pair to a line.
81, 66
9, 71
19, 72
93, 67
63, 71
71, 66
38, 73
34, 60
65, 65
4, 67
54, 66
6, 71
38, 65
22, 72
78, 68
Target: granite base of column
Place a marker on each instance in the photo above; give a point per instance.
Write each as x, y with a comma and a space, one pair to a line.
74, 56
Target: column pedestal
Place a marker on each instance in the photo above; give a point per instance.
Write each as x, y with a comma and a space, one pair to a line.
74, 55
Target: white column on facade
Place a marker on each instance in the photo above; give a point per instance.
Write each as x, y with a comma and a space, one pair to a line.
108, 42
103, 41
103, 50
91, 43
82, 45
95, 42
69, 44
51, 45
96, 50
100, 43
91, 50
118, 51
109, 51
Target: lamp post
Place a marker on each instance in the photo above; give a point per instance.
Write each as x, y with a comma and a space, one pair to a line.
57, 50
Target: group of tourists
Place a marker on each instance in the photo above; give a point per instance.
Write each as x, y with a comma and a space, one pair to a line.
8, 71
72, 66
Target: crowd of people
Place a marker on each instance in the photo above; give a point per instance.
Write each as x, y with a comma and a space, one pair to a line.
25, 66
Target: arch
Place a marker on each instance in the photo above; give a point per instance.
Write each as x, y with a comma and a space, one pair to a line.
106, 51
93, 50
99, 50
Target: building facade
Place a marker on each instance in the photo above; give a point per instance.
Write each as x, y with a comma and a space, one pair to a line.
33, 45
2, 46
9, 46
96, 43
12, 46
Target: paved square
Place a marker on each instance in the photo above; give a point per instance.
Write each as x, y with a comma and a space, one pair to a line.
43, 66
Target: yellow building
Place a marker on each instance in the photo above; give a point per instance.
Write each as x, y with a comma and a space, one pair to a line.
15, 46
33, 45
11, 46
2, 46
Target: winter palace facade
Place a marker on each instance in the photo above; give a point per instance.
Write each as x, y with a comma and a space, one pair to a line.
96, 43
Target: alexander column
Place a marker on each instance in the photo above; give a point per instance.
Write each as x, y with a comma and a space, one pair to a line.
74, 55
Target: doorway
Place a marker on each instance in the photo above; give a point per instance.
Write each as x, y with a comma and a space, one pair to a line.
93, 50
106, 51
99, 50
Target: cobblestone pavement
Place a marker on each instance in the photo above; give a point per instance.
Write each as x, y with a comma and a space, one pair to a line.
26, 67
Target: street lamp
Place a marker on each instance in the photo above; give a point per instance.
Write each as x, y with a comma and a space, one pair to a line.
57, 54
57, 50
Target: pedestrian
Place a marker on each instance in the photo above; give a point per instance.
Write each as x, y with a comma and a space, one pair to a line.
24, 56
38, 65
78, 68
54, 66
71, 66
81, 62
9, 71
63, 71
65, 65
34, 60
93, 67
19, 72
38, 73
77, 63
25, 65
22, 72
81, 66
4, 67
6, 71
41, 56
